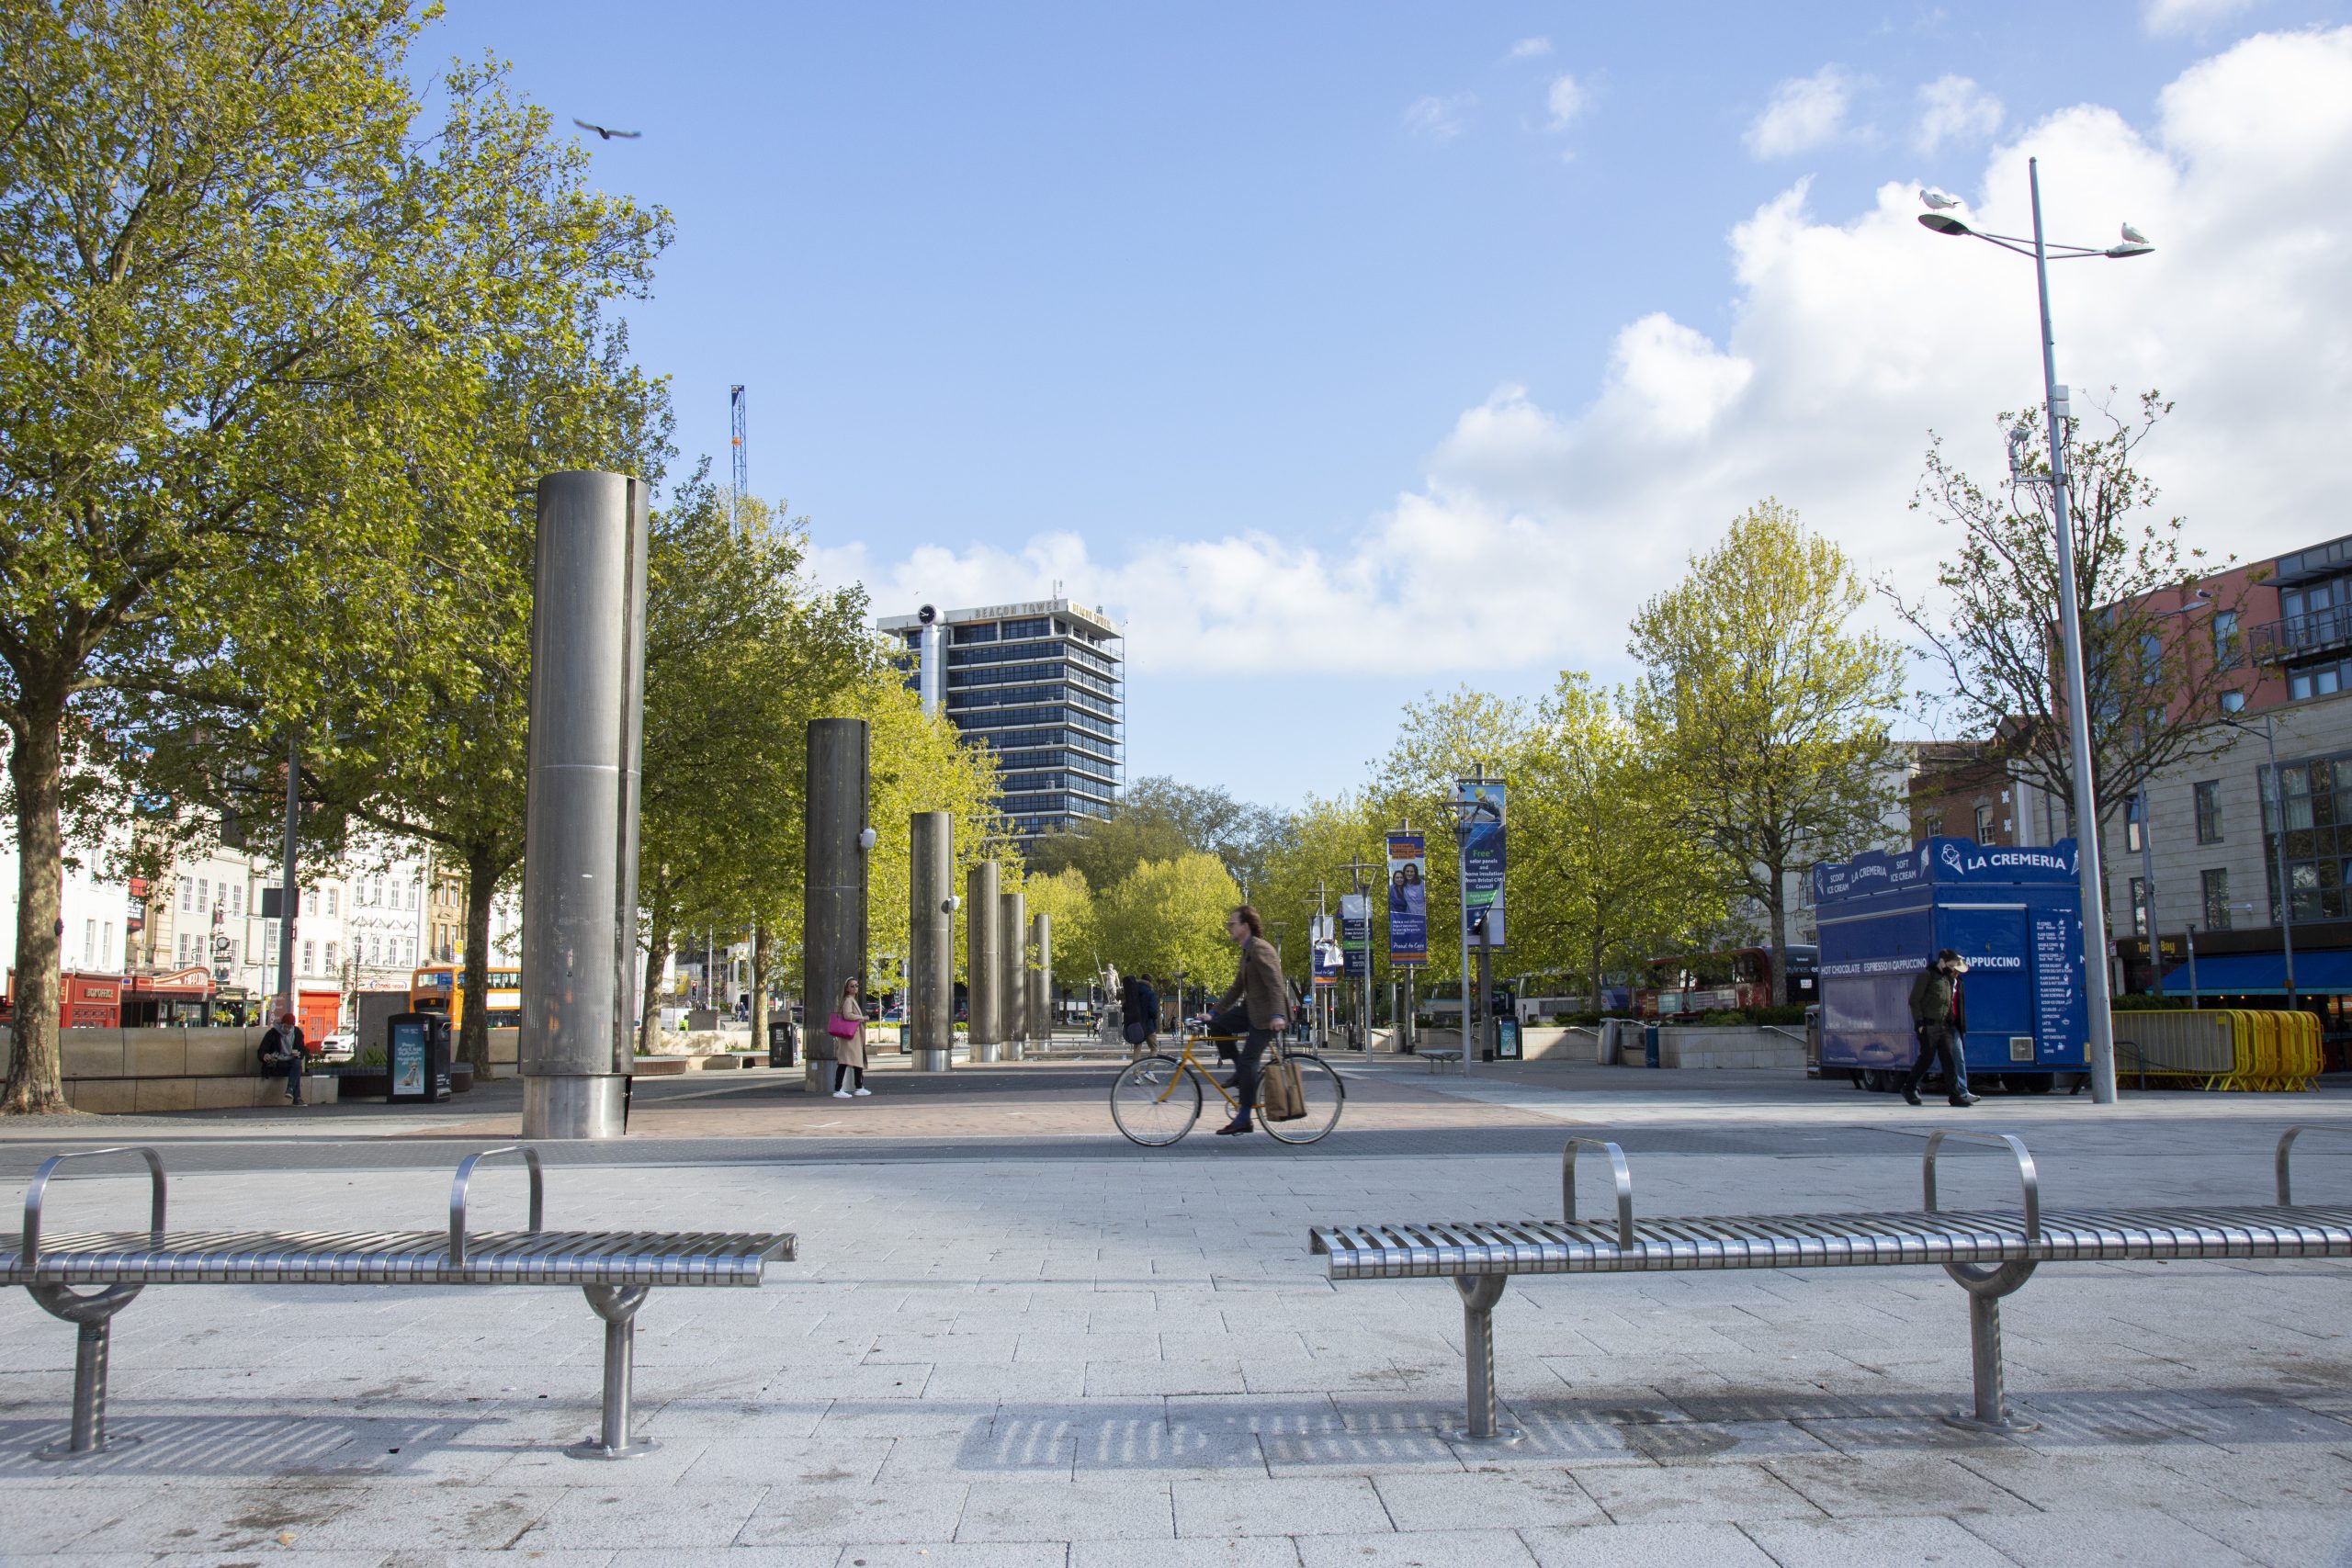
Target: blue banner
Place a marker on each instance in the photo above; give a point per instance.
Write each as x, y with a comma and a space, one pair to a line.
1482, 858
1355, 934
1409, 899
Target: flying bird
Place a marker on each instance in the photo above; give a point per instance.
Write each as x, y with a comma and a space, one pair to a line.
2133, 236
1938, 199
607, 135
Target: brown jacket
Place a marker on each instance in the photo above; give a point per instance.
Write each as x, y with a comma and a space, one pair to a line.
1261, 979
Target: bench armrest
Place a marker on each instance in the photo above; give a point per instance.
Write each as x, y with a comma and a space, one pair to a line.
2286, 1146
1624, 1185
38, 1191
2027, 1177
461, 1191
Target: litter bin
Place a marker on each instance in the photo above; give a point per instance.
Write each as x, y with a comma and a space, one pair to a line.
416, 1056
1649, 1045
783, 1039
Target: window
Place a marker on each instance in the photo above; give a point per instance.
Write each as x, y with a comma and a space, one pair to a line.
310, 904
2323, 681
2134, 834
376, 951
1931, 824
330, 968
203, 893
105, 945
2139, 905
180, 950
2151, 658
236, 900
1984, 826
188, 894
2226, 652
2217, 899
90, 944
331, 900
311, 958
269, 938
2207, 795
2233, 702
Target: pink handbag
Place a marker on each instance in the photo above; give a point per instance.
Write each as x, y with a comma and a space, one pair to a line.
842, 1028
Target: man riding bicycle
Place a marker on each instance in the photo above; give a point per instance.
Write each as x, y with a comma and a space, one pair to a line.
1263, 1010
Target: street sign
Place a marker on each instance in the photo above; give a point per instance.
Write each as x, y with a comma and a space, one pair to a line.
1478, 805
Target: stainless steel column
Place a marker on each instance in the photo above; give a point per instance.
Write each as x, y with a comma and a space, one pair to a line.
1041, 980
579, 967
1012, 917
832, 926
983, 964
931, 933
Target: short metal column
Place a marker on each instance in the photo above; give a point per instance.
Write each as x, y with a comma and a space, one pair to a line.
616, 1305
1986, 1285
983, 963
1479, 1294
93, 1317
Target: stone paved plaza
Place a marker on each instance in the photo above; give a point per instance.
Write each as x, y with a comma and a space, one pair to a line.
1043, 1346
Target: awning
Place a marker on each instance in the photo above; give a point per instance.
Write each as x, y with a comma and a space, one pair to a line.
2323, 972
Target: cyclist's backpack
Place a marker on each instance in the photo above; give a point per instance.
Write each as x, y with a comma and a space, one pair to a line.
1143, 1019
1284, 1097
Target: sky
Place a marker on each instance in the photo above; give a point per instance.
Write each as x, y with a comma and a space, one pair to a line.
1349, 352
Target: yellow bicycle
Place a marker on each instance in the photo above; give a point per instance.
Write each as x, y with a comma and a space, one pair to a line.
1157, 1098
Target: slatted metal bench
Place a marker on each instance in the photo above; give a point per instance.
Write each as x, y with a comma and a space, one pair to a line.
1444, 1060
613, 1268
1990, 1254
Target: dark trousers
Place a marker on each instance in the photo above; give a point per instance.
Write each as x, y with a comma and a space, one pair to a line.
291, 1068
1247, 1060
848, 1076
1939, 1040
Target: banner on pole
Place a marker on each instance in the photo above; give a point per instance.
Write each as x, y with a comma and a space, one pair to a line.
1483, 858
1355, 934
1409, 899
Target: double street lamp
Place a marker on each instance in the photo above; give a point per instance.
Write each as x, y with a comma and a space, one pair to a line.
2086, 856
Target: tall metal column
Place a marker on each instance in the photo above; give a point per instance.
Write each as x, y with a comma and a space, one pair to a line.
1041, 980
832, 926
983, 963
1012, 918
579, 967
931, 932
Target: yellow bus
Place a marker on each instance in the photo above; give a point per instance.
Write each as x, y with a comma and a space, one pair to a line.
439, 987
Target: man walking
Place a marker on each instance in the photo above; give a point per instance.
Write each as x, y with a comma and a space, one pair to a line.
1264, 1008
1939, 1016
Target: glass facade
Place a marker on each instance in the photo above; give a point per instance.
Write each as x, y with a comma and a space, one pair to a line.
1043, 686
2315, 796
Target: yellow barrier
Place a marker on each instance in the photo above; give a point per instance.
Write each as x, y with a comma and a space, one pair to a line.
2248, 1049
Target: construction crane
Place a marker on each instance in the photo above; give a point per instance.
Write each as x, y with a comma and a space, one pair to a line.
741, 473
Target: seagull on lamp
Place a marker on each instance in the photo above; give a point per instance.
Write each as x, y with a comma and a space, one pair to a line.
1938, 199
2132, 236
607, 135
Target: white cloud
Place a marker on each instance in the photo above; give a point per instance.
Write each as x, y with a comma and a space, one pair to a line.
1566, 100
1806, 112
1954, 108
1439, 119
2189, 15
1537, 529
1529, 49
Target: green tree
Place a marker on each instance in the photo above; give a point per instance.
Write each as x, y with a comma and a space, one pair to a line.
1606, 877
1159, 819
2155, 688
1166, 917
1766, 709
245, 311
1066, 900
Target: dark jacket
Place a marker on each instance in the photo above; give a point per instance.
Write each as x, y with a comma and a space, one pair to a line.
1936, 1001
276, 1042
1260, 979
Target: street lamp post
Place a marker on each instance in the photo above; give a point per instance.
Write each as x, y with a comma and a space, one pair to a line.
2079, 733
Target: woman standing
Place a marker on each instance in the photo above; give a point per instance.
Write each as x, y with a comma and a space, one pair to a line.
847, 1026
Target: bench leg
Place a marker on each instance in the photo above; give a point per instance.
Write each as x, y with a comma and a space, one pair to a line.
1479, 1293
1986, 1285
94, 1318
617, 1306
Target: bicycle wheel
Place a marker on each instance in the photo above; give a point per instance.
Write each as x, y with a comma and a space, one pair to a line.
1323, 1093
1155, 1101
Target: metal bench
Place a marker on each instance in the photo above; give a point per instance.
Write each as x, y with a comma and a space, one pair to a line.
1442, 1061
1990, 1254
613, 1268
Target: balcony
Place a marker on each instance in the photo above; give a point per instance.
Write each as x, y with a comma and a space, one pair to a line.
2299, 636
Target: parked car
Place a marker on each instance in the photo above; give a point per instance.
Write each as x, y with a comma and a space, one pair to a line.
342, 1046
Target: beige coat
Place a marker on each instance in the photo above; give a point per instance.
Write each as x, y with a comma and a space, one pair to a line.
849, 1053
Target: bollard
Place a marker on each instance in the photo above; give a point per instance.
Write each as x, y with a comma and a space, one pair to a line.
983, 963
1013, 988
931, 928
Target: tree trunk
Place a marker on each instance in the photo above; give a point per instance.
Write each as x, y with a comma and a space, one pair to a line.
36, 773
657, 956
473, 1033
761, 939
1777, 909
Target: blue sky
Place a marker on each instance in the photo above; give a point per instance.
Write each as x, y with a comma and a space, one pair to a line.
1236, 308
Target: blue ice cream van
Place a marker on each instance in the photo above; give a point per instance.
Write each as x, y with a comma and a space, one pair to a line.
2015, 913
